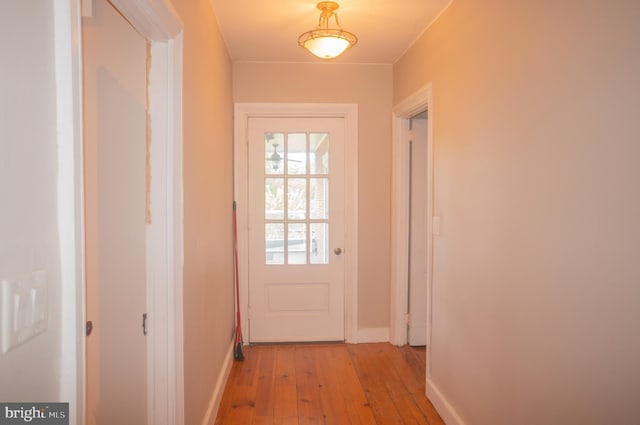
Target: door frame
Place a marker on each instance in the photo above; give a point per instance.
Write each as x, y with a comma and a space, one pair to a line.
348, 111
70, 187
419, 101
157, 21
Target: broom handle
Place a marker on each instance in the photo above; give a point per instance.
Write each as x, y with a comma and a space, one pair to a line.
235, 251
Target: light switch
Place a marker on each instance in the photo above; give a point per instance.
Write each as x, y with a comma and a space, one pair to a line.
16, 313
24, 308
38, 305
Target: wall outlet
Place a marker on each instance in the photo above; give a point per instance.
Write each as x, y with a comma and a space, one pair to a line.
24, 308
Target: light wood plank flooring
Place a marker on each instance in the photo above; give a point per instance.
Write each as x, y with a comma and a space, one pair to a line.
337, 384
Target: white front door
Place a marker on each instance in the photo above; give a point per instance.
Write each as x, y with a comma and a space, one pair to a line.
296, 229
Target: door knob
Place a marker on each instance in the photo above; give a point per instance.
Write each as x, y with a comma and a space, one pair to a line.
337, 251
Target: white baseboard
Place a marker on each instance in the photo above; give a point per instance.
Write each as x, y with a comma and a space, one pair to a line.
372, 335
214, 403
443, 407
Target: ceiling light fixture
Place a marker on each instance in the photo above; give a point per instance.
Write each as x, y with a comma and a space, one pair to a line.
325, 42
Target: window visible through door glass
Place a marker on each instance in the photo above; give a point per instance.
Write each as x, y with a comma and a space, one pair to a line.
296, 193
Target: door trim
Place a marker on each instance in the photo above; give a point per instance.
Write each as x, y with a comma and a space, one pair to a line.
348, 111
70, 183
402, 112
158, 22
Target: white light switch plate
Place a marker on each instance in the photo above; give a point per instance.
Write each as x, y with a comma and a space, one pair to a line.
24, 308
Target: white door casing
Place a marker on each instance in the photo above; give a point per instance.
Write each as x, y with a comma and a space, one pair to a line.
412, 105
68, 63
296, 229
245, 111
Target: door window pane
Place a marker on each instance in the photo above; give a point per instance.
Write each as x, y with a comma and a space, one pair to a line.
274, 243
319, 243
274, 198
319, 153
319, 198
273, 153
297, 153
297, 243
297, 199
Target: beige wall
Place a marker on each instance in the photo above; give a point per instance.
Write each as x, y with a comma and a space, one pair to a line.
208, 187
369, 86
536, 281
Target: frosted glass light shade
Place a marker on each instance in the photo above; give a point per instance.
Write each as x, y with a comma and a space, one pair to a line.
326, 47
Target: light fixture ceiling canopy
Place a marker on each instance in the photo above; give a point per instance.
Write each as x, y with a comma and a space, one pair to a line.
324, 41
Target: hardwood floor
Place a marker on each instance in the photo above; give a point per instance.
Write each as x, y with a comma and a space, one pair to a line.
329, 384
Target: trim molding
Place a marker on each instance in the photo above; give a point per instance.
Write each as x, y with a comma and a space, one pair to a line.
444, 408
165, 238
414, 104
155, 20
349, 111
70, 224
218, 391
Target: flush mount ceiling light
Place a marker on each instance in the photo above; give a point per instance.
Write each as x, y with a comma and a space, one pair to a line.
325, 42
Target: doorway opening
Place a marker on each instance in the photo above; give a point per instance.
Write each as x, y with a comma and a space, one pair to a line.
161, 239
417, 261
412, 218
347, 253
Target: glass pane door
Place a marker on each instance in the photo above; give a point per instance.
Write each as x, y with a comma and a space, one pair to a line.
296, 228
